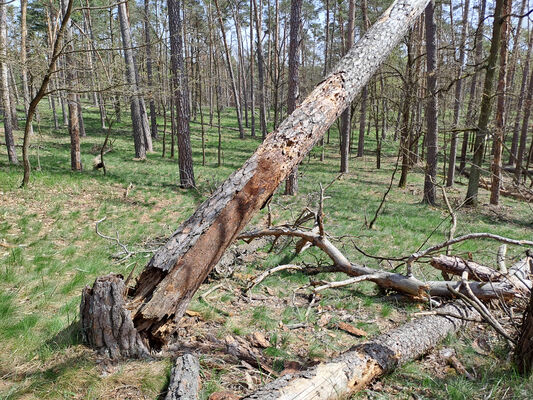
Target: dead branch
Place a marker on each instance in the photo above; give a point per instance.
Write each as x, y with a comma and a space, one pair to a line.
260, 278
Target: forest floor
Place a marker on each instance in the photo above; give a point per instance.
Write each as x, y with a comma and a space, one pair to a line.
49, 251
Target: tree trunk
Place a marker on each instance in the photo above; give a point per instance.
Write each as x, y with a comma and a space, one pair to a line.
251, 57
519, 106
478, 58
523, 133
291, 184
364, 95
485, 109
523, 352
499, 128
260, 70
178, 268
353, 370
458, 99
346, 120
181, 96
184, 379
135, 104
72, 98
149, 73
432, 139
6, 103
230, 72
405, 128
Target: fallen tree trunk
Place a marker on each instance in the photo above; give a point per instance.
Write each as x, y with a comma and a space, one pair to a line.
184, 379
177, 269
518, 275
356, 368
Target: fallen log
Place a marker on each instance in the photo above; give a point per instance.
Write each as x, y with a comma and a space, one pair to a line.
169, 281
456, 266
356, 368
184, 379
518, 275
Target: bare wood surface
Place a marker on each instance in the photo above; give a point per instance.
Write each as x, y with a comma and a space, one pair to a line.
356, 368
177, 269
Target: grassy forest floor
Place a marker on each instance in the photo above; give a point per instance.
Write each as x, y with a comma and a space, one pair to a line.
49, 251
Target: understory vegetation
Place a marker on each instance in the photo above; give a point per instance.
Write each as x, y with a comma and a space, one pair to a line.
49, 250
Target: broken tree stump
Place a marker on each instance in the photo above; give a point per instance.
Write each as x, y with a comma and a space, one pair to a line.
184, 379
177, 269
106, 324
357, 367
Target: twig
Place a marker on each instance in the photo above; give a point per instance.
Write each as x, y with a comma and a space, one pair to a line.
114, 239
258, 279
347, 282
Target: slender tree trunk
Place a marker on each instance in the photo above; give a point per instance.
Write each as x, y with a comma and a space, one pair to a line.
405, 136
432, 139
178, 268
181, 90
6, 102
364, 95
478, 59
230, 72
485, 109
525, 128
135, 104
72, 98
500, 109
523, 86
291, 184
346, 124
149, 72
24, 66
260, 71
252, 95
458, 98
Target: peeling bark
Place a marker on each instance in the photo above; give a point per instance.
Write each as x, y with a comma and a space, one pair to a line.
177, 269
356, 368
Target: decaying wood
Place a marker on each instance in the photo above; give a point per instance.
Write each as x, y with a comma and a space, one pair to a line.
408, 285
184, 379
523, 353
356, 368
517, 275
177, 269
107, 325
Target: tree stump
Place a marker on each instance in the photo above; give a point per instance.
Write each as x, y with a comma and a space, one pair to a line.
107, 325
524, 348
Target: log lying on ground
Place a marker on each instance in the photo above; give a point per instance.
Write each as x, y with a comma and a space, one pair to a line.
184, 379
356, 368
177, 269
517, 276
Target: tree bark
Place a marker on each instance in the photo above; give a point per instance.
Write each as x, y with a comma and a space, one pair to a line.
23, 62
230, 72
149, 73
353, 370
523, 353
291, 184
364, 95
524, 131
499, 128
260, 70
478, 58
131, 77
181, 96
485, 110
178, 268
184, 379
432, 139
4, 87
346, 120
458, 99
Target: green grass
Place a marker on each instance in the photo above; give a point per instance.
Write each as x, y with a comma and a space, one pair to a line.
53, 252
